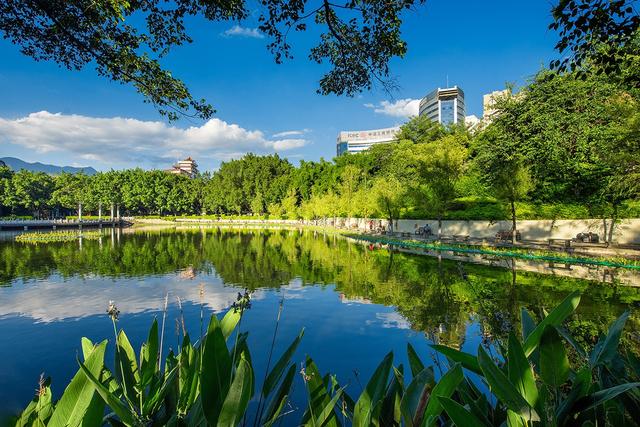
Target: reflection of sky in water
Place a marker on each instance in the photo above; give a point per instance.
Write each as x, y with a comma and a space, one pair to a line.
42, 321
56, 299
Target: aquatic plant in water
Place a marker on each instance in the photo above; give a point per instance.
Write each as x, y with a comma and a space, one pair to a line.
540, 377
58, 236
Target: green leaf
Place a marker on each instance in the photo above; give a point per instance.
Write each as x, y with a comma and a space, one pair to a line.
120, 409
504, 390
280, 398
602, 396
237, 399
554, 364
229, 322
528, 324
127, 367
78, 397
390, 413
579, 388
555, 318
444, 388
149, 355
151, 403
459, 414
467, 360
415, 363
278, 369
607, 348
321, 417
216, 372
520, 371
87, 347
373, 393
414, 399
318, 396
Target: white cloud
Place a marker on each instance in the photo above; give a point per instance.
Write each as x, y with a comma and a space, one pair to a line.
291, 133
401, 108
240, 31
124, 142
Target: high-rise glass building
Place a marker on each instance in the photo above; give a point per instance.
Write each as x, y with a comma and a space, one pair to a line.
445, 106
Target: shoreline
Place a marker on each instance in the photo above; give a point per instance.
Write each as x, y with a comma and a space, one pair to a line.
603, 256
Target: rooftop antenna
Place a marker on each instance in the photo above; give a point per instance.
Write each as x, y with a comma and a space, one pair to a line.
447, 80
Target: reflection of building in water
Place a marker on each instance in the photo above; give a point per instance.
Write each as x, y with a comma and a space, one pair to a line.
354, 300
188, 273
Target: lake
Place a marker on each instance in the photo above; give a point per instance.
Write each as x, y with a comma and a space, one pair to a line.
355, 301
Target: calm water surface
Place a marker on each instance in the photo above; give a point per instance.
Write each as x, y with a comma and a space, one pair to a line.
355, 302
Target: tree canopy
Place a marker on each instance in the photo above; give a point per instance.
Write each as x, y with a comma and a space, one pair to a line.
125, 40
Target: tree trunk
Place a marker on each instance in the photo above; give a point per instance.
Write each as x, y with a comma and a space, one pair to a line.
99, 211
513, 222
79, 212
614, 218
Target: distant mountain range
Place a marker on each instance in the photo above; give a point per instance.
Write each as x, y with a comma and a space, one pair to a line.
17, 164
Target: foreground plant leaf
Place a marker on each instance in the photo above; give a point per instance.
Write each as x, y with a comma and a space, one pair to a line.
504, 390
127, 417
459, 414
215, 377
237, 399
75, 406
372, 394
278, 369
554, 363
555, 318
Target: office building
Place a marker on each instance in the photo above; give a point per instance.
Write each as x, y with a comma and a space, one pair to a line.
357, 141
187, 167
489, 103
444, 106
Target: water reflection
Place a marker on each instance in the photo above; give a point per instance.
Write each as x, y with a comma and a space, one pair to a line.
357, 302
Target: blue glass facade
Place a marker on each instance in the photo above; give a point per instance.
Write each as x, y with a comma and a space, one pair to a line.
342, 148
447, 112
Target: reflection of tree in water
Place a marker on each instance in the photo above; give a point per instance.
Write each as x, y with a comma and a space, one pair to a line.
439, 297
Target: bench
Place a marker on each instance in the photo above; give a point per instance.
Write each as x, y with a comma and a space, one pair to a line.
566, 243
405, 234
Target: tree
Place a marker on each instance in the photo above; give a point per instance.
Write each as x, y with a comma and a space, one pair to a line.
31, 191
390, 195
6, 175
70, 190
511, 181
600, 34
127, 39
257, 204
442, 164
620, 151
349, 177
421, 129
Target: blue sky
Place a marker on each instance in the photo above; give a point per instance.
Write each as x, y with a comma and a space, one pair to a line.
52, 115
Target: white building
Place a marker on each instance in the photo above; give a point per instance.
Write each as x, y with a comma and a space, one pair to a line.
489, 103
360, 140
187, 167
444, 106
